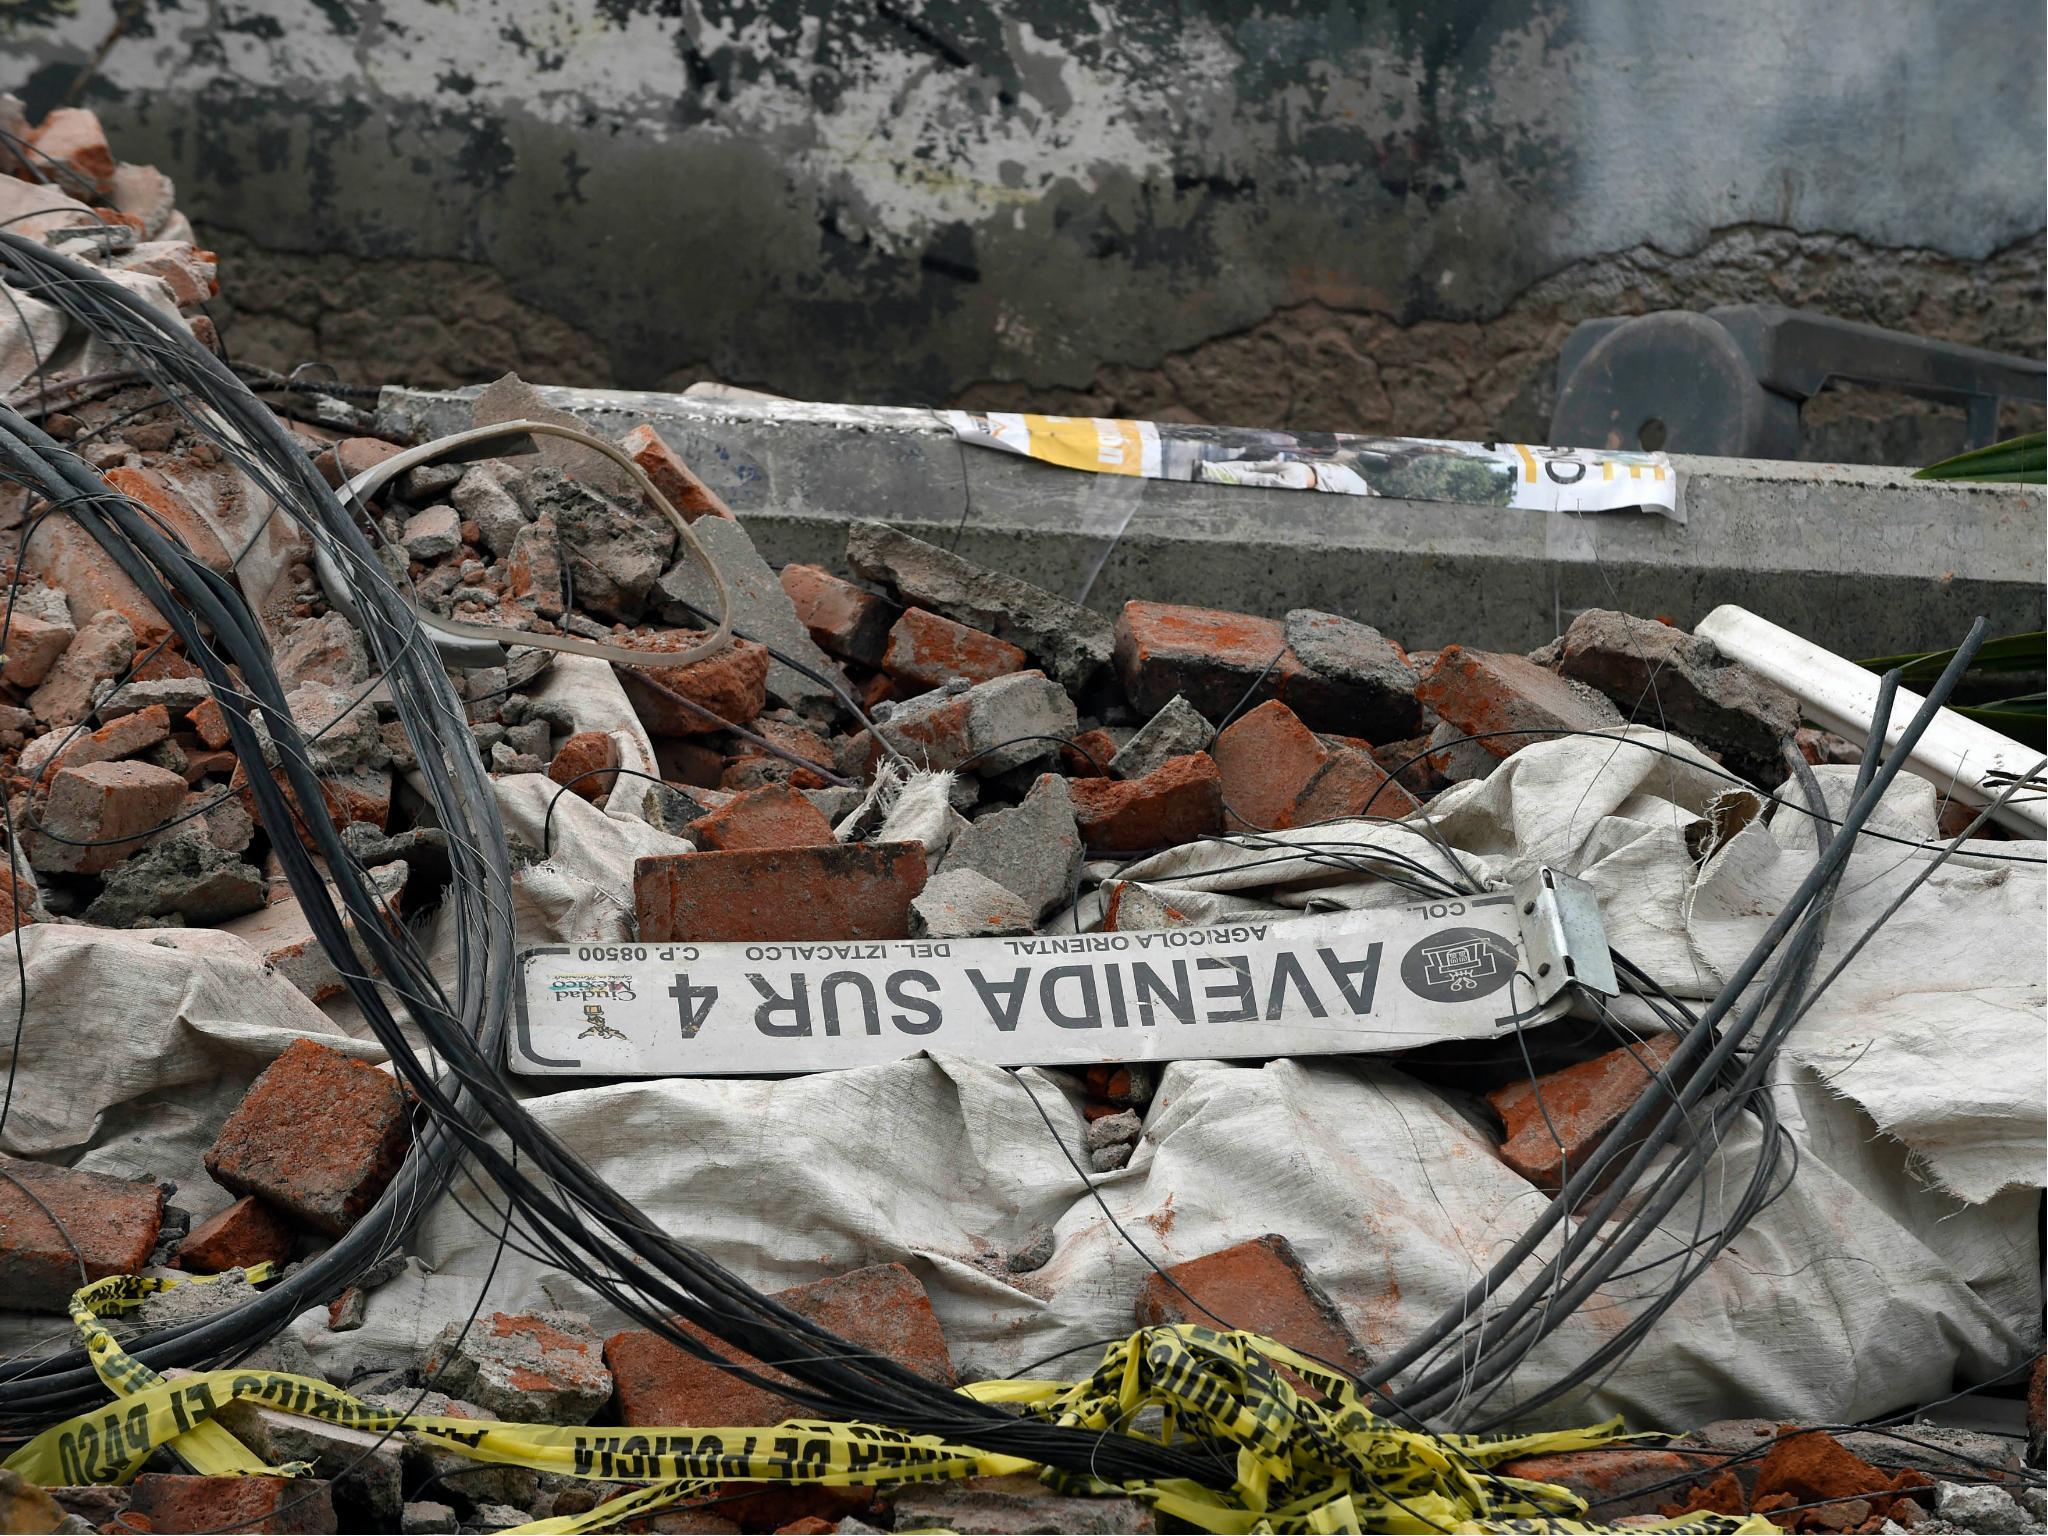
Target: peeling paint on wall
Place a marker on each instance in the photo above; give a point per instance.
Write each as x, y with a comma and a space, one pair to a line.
930, 199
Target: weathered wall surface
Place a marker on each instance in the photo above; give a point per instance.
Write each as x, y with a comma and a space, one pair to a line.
1378, 216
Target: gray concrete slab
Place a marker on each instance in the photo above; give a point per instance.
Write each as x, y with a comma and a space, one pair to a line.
1864, 561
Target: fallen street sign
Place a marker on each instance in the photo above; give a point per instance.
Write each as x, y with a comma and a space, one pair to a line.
1343, 982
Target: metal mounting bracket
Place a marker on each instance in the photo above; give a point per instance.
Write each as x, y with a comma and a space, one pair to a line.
1563, 938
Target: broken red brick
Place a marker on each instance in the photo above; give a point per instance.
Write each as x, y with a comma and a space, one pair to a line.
750, 768
688, 762
671, 476
732, 686
33, 646
773, 895
351, 456
1619, 1480
1350, 783
1260, 1287
109, 1225
1177, 802
772, 817
584, 763
170, 1501
192, 275
103, 812
209, 721
1208, 654
247, 1232
927, 651
17, 896
318, 1135
1088, 755
73, 137
850, 622
124, 736
154, 491
1485, 693
882, 1308
65, 556
1266, 758
1582, 1104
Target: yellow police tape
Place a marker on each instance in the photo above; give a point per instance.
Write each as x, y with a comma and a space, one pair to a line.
1307, 1462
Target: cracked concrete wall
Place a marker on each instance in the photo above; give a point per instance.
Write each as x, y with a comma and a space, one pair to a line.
1380, 217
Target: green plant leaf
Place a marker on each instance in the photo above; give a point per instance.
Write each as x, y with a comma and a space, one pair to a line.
2016, 461
2007, 653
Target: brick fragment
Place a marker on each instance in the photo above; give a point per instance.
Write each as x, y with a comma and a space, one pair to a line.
529, 1367
102, 650
883, 1308
926, 650
772, 895
1089, 755
775, 816
112, 1223
73, 137
992, 727
318, 1136
351, 456
1358, 684
191, 274
751, 768
1350, 673
17, 901
247, 1232
671, 476
1262, 1287
104, 812
1619, 1480
173, 1502
1175, 803
67, 747
583, 763
33, 646
1207, 655
1582, 1103
1663, 676
732, 685
1486, 693
1069, 641
849, 622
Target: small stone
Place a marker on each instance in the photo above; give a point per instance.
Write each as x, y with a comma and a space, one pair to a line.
1109, 1159
481, 497
431, 534
495, 1517
1112, 1130
1034, 1255
1982, 1507
426, 1518
965, 904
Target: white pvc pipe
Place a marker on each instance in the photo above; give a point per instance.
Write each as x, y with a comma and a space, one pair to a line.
1955, 754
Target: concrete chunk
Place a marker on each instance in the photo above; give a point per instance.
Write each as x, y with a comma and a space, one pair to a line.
1175, 729
1070, 642
761, 609
532, 1368
965, 904
186, 874
1663, 676
1032, 850
992, 727
1360, 673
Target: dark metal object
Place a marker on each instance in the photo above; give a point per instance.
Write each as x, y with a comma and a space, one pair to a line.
1730, 381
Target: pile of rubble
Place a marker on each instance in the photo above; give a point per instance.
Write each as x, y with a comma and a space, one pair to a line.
1069, 742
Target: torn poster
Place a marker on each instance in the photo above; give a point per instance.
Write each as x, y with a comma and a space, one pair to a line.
1518, 475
